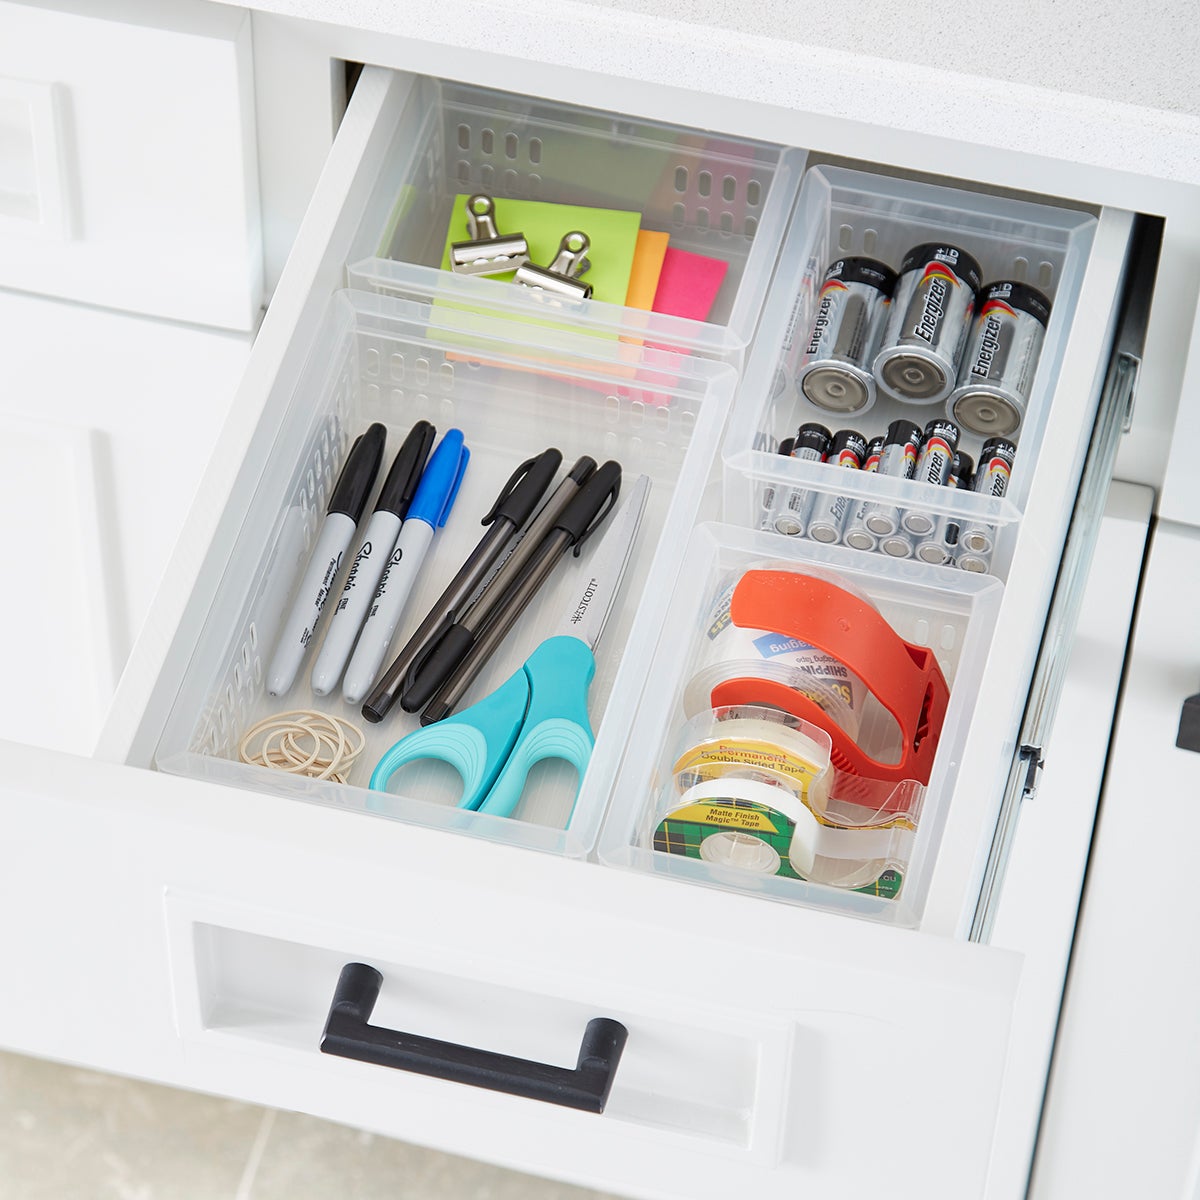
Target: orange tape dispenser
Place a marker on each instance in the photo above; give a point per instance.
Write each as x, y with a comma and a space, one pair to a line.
903, 677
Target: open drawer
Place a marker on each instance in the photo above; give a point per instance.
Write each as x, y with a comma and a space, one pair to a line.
762, 1036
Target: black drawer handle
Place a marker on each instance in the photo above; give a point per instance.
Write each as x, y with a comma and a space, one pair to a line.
347, 1033
1188, 737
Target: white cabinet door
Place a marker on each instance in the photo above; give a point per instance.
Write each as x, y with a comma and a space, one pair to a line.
128, 160
1123, 1107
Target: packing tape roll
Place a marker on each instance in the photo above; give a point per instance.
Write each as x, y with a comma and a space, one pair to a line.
733, 652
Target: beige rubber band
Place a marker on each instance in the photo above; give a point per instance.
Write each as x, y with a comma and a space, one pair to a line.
335, 743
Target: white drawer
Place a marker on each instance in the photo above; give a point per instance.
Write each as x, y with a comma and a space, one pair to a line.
773, 1049
109, 200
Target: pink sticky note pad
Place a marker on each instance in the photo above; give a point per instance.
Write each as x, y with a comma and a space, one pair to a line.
688, 284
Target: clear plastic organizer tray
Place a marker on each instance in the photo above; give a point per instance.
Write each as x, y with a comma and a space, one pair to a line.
715, 195
947, 616
843, 213
383, 359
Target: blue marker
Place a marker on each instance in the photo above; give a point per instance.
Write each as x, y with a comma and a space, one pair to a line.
426, 514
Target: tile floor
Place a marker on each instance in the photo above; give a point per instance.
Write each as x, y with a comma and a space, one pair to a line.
69, 1134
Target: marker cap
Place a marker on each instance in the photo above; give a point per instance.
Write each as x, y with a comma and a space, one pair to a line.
357, 479
401, 483
441, 480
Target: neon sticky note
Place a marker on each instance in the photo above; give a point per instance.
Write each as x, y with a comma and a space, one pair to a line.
689, 284
647, 267
613, 235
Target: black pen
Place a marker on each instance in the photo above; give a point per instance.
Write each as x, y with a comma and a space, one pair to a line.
512, 508
582, 517
449, 646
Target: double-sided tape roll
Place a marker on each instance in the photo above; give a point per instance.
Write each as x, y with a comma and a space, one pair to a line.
753, 743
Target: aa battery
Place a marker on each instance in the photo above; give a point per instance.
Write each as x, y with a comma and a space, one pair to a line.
991, 479
811, 445
852, 308
898, 544
898, 460
857, 534
928, 322
978, 563
940, 546
997, 371
766, 518
938, 445
848, 449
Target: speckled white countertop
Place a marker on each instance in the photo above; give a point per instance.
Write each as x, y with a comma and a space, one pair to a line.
1105, 83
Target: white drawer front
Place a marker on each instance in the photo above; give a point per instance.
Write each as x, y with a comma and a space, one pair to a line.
193, 934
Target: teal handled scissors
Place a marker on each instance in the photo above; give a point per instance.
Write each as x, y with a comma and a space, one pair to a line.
540, 712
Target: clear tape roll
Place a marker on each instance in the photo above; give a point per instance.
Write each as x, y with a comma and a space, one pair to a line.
729, 814
718, 800
733, 652
751, 790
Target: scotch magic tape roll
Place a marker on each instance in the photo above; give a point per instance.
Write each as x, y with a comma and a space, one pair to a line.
733, 652
744, 823
763, 829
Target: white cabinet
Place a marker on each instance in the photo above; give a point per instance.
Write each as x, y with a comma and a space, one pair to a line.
128, 159
192, 932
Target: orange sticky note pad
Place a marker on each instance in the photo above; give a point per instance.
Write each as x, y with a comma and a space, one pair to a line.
648, 256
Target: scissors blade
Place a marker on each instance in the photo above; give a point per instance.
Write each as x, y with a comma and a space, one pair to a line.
600, 574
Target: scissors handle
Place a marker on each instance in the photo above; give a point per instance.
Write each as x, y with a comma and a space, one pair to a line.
475, 742
560, 672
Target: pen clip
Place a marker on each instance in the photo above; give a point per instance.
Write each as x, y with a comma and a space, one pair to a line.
507, 490
598, 519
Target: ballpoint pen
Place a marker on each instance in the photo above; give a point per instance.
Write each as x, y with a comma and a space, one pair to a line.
578, 522
372, 558
426, 514
512, 508
346, 506
454, 640
541, 711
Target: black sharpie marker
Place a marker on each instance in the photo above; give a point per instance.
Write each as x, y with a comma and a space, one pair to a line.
345, 509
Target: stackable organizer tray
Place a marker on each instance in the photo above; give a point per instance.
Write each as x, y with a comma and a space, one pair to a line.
716, 195
384, 359
953, 613
844, 212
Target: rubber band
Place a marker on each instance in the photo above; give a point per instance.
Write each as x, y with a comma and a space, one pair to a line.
304, 742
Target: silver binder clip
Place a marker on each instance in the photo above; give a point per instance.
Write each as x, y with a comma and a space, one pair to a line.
488, 252
561, 277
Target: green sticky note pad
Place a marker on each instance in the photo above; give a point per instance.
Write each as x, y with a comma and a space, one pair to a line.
613, 236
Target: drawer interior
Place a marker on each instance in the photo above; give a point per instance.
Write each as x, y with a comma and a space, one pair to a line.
397, 362
518, 376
